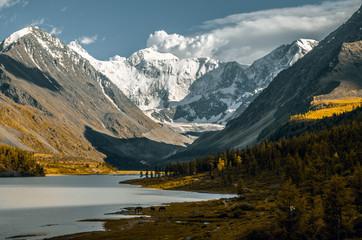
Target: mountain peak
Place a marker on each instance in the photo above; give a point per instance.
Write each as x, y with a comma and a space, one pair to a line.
306, 44
16, 35
149, 54
75, 46
44, 38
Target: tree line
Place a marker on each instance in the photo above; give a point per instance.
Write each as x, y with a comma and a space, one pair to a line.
295, 128
19, 162
321, 177
324, 154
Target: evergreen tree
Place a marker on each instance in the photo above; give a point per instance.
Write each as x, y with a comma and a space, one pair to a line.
240, 187
290, 207
356, 185
335, 201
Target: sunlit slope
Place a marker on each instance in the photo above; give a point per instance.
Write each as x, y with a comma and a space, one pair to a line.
327, 108
53, 101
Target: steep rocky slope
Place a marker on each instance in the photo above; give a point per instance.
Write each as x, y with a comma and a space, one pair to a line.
333, 69
52, 100
217, 95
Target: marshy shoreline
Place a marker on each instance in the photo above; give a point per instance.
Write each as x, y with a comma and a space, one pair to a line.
224, 218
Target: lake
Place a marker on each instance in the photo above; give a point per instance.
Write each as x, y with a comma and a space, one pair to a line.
50, 206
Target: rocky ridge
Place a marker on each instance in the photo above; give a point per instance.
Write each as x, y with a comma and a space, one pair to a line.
54, 101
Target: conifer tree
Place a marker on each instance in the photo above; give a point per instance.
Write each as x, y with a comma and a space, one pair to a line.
240, 186
335, 201
356, 185
290, 207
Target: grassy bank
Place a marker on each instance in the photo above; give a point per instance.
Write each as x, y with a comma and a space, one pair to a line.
214, 219
61, 165
218, 219
197, 183
306, 187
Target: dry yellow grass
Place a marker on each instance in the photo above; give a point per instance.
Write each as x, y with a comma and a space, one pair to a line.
45, 133
60, 165
327, 108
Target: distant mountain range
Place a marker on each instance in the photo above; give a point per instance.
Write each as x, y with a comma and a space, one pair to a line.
178, 92
332, 70
57, 99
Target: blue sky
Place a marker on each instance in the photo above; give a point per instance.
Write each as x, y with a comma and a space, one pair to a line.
226, 30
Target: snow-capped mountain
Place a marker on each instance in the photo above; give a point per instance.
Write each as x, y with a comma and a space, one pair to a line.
229, 89
198, 90
52, 100
332, 70
149, 78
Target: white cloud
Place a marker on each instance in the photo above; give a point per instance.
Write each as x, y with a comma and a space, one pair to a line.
246, 37
64, 9
88, 40
55, 31
37, 22
8, 3
185, 47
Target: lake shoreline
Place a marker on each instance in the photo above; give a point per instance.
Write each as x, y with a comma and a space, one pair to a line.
119, 172
249, 216
153, 224
200, 183
158, 218
78, 198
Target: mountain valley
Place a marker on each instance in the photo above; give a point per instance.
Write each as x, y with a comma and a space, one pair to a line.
57, 99
331, 71
197, 94
53, 101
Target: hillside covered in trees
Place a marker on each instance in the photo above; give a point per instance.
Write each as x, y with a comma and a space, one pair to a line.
17, 162
314, 181
295, 128
335, 150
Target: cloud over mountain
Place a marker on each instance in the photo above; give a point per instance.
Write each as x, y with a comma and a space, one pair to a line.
245, 37
86, 40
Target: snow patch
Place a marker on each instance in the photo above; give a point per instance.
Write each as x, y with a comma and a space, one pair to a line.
47, 78
16, 35
307, 44
149, 54
161, 83
108, 98
149, 78
74, 45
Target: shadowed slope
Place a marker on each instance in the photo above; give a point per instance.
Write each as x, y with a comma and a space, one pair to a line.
49, 94
332, 69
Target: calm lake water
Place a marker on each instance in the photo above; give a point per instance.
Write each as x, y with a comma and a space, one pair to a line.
52, 206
